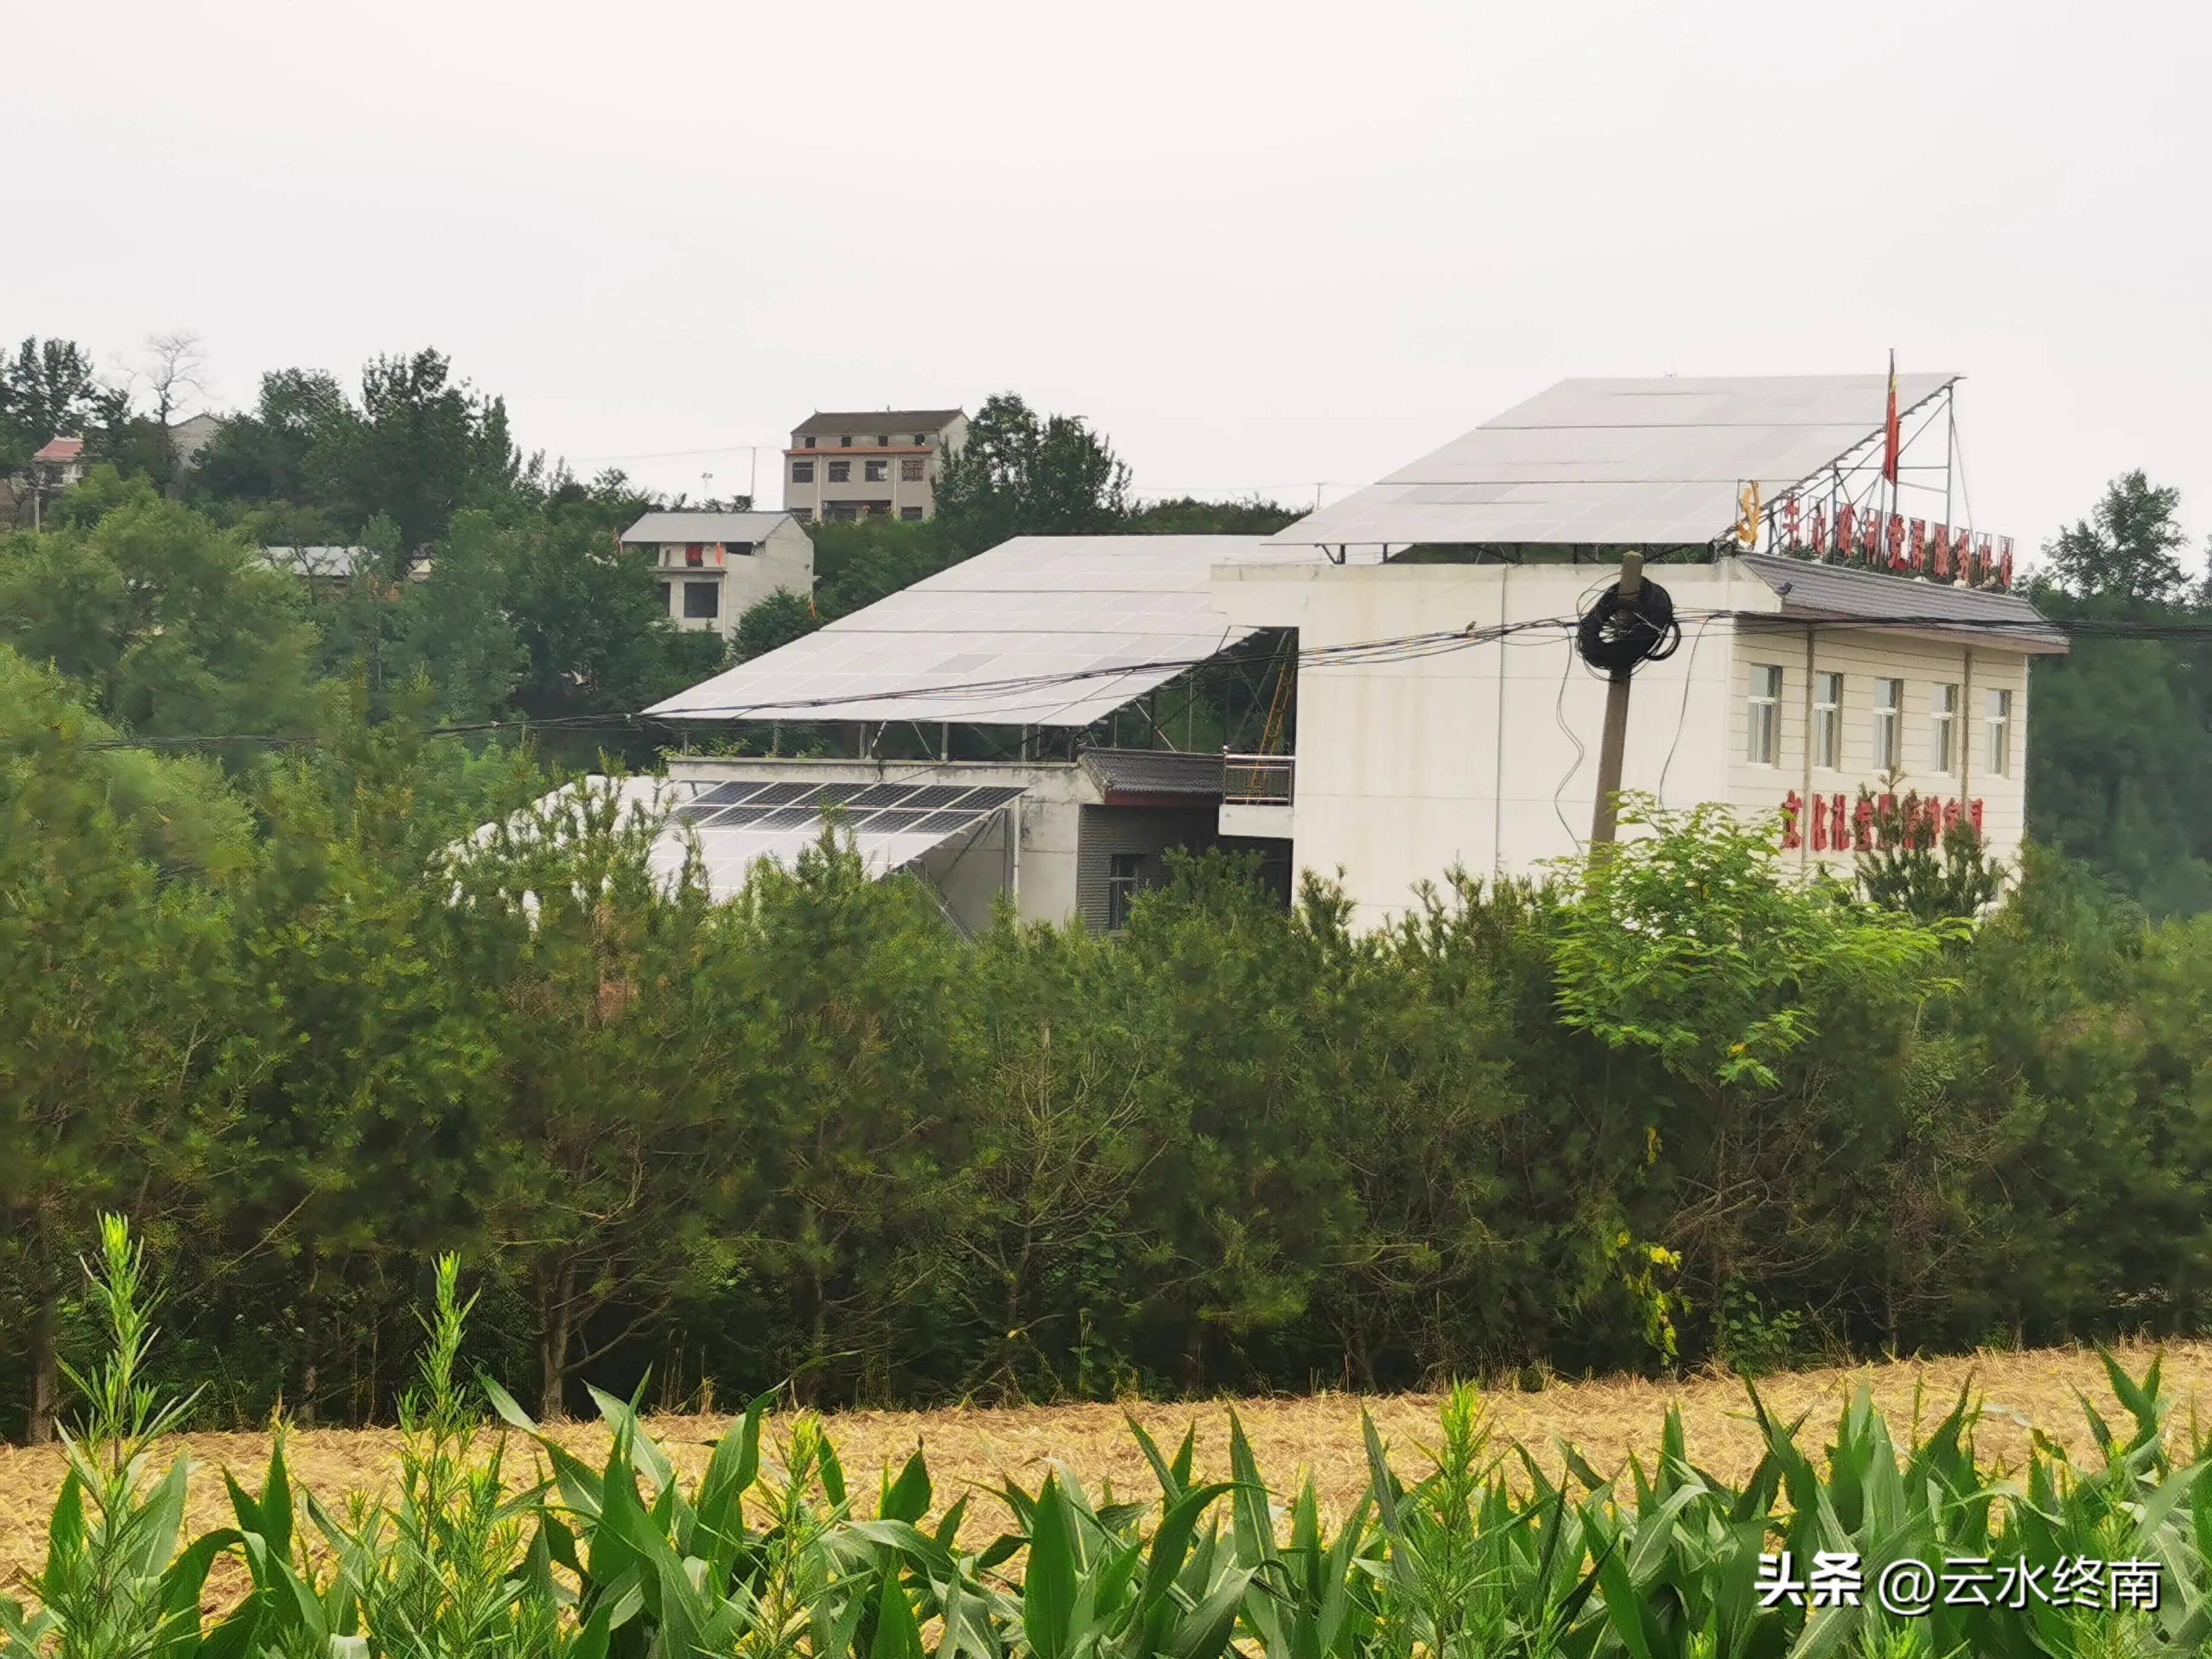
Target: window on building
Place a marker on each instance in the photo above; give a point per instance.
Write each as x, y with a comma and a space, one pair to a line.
911, 515
921, 438
1763, 730
802, 472
841, 511
738, 549
1999, 722
882, 441
702, 598
1888, 724
845, 442
664, 598
807, 442
1125, 879
1943, 730
910, 470
695, 553
1828, 720
876, 471
841, 472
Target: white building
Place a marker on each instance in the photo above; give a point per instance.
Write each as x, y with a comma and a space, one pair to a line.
714, 567
978, 712
1413, 647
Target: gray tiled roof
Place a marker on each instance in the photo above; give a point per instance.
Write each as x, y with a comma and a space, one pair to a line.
1154, 772
704, 527
883, 421
1830, 591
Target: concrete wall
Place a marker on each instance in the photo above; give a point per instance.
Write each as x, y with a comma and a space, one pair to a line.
1484, 756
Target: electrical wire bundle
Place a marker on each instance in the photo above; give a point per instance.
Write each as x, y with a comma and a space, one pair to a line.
1616, 634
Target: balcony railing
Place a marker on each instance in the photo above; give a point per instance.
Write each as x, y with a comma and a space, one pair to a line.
1257, 780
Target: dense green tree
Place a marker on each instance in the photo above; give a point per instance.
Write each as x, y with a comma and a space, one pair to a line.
1019, 473
420, 448
1686, 943
174, 626
1186, 515
597, 971
2120, 767
2125, 549
105, 961
775, 621
263, 455
48, 389
454, 627
592, 620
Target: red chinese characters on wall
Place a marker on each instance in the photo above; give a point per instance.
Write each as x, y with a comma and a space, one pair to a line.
1832, 823
1864, 536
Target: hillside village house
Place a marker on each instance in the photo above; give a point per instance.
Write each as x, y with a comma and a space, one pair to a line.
1390, 689
714, 567
870, 463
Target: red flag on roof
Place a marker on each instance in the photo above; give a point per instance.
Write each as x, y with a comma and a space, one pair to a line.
1889, 437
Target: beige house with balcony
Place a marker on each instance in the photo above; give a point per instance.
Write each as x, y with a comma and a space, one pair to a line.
869, 464
714, 567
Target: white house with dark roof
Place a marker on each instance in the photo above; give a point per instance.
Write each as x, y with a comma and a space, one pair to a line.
714, 567
848, 464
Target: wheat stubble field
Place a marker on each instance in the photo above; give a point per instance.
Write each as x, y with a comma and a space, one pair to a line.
979, 1446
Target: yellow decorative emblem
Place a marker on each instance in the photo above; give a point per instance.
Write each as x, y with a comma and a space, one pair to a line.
1747, 527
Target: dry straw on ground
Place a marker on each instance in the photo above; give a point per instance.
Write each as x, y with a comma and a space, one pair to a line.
977, 1446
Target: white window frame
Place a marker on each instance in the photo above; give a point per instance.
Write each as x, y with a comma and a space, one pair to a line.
1762, 726
1828, 720
1997, 723
1943, 727
1888, 724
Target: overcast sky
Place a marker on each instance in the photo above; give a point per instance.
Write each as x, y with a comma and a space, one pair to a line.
1265, 247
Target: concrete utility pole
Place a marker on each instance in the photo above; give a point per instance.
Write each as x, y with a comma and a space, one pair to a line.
1603, 822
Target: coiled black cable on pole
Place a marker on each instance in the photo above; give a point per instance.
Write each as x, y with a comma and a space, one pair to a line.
1615, 635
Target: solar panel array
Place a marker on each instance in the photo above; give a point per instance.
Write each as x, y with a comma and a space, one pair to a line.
739, 824
1656, 463
1040, 630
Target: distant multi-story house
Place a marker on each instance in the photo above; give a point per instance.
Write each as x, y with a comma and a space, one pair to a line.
189, 436
714, 567
59, 463
871, 463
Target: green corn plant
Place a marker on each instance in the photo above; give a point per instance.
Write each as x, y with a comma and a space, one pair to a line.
1308, 1598
118, 1581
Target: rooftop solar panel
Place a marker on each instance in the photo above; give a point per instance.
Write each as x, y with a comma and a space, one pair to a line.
732, 840
728, 794
881, 794
1657, 462
1041, 630
779, 794
936, 794
988, 795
